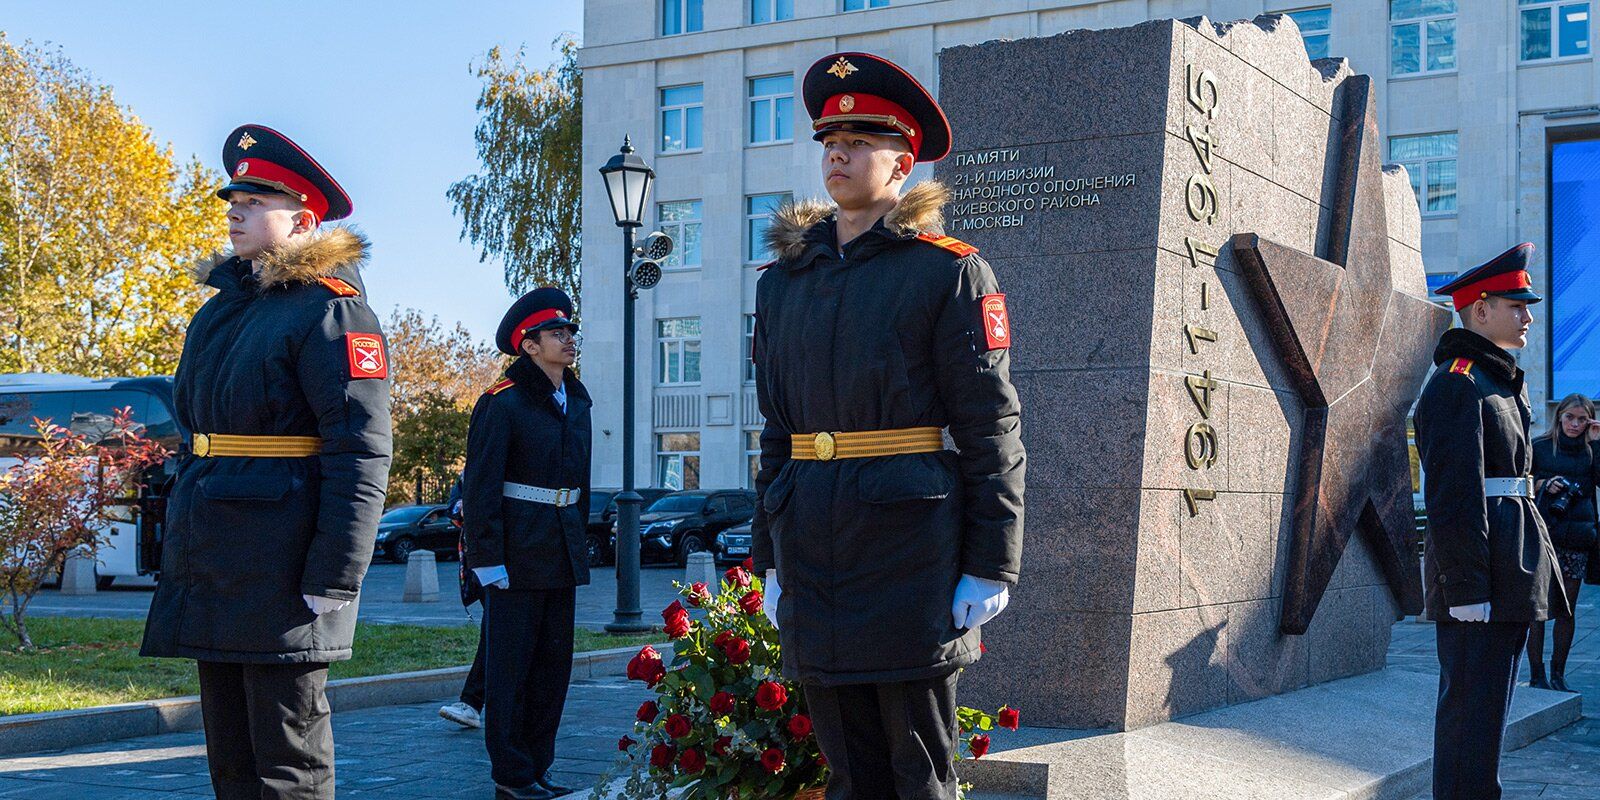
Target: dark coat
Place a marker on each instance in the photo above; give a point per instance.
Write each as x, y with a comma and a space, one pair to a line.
886, 335
1574, 459
246, 537
519, 434
1472, 423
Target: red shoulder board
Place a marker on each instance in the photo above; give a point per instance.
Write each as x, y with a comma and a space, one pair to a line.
340, 287
1461, 366
766, 265
951, 243
500, 387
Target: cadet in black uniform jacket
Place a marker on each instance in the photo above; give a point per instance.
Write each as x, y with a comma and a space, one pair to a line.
525, 493
1489, 569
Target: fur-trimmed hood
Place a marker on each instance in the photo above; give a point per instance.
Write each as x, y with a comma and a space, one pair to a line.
920, 209
303, 260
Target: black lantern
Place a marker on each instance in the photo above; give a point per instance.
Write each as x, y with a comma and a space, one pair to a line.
628, 181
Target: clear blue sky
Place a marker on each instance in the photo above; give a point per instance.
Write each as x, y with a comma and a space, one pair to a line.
379, 92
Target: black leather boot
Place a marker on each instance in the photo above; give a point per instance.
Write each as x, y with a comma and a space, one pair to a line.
1536, 675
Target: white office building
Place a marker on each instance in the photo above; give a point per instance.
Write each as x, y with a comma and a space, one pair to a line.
1492, 105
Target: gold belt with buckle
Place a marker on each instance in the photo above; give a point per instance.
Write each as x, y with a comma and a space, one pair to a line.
864, 444
213, 445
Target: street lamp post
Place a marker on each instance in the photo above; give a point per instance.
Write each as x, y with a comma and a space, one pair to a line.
627, 180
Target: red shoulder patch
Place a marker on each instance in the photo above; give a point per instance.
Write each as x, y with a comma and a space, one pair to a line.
765, 266
367, 359
1461, 366
340, 287
996, 321
500, 387
951, 243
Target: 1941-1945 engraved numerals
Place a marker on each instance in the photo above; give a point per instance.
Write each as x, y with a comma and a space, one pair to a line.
1200, 443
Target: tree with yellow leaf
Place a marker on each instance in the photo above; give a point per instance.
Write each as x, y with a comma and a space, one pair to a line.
97, 222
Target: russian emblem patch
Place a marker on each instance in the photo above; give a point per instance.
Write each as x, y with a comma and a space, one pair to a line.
366, 355
996, 322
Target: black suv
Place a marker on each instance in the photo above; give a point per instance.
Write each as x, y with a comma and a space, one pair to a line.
407, 528
688, 522
603, 517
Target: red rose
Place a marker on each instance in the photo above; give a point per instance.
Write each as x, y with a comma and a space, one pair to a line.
624, 743
751, 603
647, 667
647, 711
721, 747
771, 696
661, 756
736, 649
822, 760
678, 726
677, 619
1009, 718
722, 704
772, 759
979, 745
692, 761
698, 593
737, 576
749, 563
799, 726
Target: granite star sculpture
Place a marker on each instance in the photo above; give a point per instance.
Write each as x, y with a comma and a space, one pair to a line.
1358, 350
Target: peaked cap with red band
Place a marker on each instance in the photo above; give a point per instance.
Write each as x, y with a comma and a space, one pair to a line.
541, 309
259, 159
863, 92
1505, 275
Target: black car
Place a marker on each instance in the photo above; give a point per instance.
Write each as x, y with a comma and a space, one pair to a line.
733, 545
688, 522
407, 528
603, 518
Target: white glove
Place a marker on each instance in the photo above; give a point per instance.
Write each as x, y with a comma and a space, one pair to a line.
769, 598
322, 605
1474, 612
978, 600
493, 576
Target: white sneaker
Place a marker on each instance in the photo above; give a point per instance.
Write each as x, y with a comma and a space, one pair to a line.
462, 714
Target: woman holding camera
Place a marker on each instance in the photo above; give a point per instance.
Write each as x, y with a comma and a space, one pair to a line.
1565, 472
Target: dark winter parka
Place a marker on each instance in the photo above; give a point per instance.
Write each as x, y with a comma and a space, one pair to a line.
519, 434
1554, 454
271, 354
886, 335
1472, 423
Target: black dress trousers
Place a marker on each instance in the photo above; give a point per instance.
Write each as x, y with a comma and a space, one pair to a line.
527, 638
887, 741
1477, 673
472, 690
269, 731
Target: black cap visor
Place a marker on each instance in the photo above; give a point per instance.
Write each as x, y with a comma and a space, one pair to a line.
1519, 294
253, 188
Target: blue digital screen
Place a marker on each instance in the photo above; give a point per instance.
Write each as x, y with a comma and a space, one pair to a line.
1575, 268
1439, 279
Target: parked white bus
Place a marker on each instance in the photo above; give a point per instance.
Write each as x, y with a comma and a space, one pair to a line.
131, 548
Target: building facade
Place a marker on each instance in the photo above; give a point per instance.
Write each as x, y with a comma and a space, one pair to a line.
1492, 105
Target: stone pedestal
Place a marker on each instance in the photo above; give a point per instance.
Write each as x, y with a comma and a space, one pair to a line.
702, 567
78, 574
422, 578
1219, 323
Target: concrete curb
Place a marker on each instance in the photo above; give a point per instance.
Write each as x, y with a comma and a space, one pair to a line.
55, 730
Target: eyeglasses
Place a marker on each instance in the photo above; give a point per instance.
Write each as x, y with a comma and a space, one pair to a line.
564, 336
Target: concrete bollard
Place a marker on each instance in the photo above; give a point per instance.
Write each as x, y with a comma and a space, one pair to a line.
702, 567
77, 574
422, 578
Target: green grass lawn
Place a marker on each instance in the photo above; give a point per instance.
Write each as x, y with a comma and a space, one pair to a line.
93, 662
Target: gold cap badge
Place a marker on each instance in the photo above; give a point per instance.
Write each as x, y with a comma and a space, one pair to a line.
841, 68
846, 103
246, 141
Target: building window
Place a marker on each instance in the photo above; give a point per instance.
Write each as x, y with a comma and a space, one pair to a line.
680, 219
770, 11
678, 460
758, 210
749, 348
771, 109
678, 340
1431, 161
861, 5
681, 108
1314, 24
1554, 29
752, 457
1422, 36
681, 16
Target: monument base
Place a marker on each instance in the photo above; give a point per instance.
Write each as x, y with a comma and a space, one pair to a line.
1370, 736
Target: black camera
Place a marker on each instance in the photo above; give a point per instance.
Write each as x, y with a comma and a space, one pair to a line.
1559, 495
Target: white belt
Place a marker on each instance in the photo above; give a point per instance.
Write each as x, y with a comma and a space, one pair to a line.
1508, 487
560, 498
